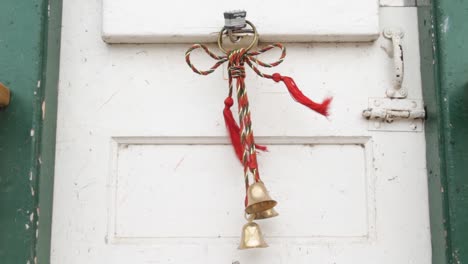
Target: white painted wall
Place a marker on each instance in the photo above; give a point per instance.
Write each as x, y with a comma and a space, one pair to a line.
144, 172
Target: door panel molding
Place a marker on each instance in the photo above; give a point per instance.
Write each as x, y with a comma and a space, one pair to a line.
145, 170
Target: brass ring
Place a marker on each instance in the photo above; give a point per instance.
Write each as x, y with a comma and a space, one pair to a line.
220, 38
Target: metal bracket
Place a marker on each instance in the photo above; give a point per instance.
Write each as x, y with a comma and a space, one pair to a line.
397, 91
384, 111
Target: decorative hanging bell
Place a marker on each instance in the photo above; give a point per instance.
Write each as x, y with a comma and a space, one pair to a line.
252, 237
258, 199
266, 214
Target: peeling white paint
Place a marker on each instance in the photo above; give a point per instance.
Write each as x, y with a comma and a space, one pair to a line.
31, 217
43, 106
26, 226
32, 191
445, 26
39, 84
32, 132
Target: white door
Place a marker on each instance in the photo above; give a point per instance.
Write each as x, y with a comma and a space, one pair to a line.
145, 172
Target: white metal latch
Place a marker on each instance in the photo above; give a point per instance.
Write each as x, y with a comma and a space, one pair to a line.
397, 91
388, 115
383, 111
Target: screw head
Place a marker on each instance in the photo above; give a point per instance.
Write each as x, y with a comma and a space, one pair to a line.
403, 92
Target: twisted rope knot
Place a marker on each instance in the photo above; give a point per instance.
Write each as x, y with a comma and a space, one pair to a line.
237, 71
236, 63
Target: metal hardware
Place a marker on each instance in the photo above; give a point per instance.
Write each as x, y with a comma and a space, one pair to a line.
397, 91
4, 96
254, 40
234, 21
388, 115
384, 111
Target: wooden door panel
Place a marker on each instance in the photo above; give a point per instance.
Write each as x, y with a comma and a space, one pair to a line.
145, 174
147, 21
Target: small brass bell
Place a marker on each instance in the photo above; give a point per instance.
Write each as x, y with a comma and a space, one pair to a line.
266, 214
252, 237
258, 199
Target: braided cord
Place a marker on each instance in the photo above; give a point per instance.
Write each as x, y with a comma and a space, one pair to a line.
249, 157
236, 71
220, 59
250, 58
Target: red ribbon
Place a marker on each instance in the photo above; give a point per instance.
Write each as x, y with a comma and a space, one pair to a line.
234, 130
321, 108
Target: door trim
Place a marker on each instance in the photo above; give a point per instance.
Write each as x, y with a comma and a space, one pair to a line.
48, 124
29, 65
443, 36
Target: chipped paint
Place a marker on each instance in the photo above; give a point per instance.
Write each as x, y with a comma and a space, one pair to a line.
445, 26
43, 108
20, 167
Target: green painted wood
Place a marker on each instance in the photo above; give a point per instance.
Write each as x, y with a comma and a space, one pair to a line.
50, 77
452, 40
444, 65
435, 136
26, 139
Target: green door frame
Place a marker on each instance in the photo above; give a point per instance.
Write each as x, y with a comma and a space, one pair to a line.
29, 66
443, 30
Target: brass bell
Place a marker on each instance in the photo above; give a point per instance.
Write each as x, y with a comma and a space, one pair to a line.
252, 237
258, 199
266, 214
